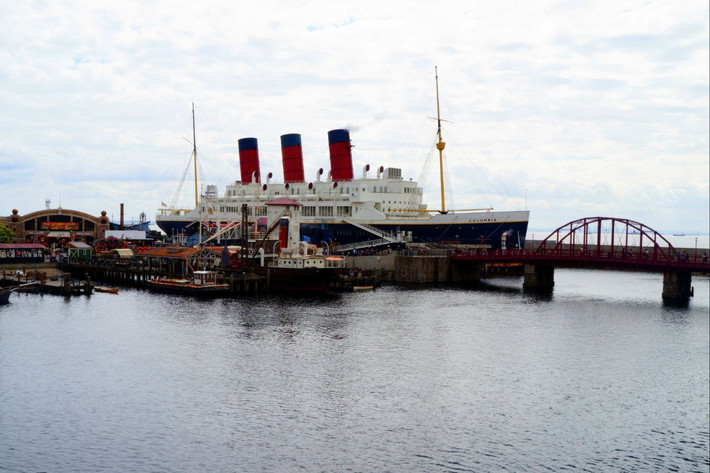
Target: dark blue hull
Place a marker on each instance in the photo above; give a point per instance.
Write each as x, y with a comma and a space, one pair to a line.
488, 234
174, 228
478, 233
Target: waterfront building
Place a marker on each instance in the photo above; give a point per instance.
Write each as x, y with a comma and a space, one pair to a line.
57, 226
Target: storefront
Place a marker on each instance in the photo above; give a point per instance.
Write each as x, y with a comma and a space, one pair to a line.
12, 253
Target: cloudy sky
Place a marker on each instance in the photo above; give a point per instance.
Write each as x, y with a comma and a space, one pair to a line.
569, 108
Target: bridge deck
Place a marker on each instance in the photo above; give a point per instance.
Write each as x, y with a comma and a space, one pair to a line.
564, 258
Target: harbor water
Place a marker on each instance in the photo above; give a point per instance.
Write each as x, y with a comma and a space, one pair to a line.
599, 376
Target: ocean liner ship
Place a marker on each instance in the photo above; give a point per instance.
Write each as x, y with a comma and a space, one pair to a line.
379, 209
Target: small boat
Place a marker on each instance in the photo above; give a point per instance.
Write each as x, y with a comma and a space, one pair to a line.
362, 288
108, 290
202, 283
5, 294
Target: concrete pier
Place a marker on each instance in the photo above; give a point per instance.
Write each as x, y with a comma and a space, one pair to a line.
539, 277
421, 269
676, 286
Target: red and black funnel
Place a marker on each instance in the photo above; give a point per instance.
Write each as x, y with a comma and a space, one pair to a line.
292, 157
249, 160
341, 160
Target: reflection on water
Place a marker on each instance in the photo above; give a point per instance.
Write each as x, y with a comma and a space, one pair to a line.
599, 375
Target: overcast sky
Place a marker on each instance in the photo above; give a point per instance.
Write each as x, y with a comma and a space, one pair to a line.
569, 108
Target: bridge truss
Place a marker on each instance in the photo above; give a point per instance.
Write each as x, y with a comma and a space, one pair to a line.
609, 237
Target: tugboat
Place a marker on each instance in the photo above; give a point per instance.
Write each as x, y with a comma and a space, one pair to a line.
298, 266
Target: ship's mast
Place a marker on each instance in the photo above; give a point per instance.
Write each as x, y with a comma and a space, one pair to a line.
440, 145
194, 150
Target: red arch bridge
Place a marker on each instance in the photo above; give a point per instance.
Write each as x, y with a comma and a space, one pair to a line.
599, 242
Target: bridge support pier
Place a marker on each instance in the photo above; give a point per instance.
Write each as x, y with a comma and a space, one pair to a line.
466, 273
676, 285
539, 277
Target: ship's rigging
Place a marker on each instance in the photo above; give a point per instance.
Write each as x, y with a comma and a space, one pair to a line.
192, 162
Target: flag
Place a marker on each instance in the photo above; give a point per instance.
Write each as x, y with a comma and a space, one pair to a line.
163, 204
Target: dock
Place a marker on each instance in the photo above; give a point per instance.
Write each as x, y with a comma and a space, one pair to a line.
47, 281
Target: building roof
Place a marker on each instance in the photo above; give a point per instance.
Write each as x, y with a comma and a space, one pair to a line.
80, 245
168, 251
177, 251
126, 234
59, 234
21, 246
124, 252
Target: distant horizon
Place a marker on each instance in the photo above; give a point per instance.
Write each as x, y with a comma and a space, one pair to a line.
151, 220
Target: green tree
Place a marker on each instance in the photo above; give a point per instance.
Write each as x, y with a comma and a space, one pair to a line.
6, 235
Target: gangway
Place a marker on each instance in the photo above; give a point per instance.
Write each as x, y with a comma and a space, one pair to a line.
360, 245
374, 231
228, 232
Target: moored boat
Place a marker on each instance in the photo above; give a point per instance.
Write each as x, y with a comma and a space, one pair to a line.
202, 283
363, 288
5, 294
298, 266
309, 272
108, 290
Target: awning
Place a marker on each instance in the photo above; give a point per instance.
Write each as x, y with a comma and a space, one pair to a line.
124, 252
58, 235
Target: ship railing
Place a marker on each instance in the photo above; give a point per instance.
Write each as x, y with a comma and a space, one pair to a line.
359, 245
172, 212
373, 230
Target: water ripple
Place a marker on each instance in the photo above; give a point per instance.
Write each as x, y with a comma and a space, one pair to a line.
449, 380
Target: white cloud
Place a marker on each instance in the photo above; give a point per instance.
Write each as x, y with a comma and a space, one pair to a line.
593, 107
